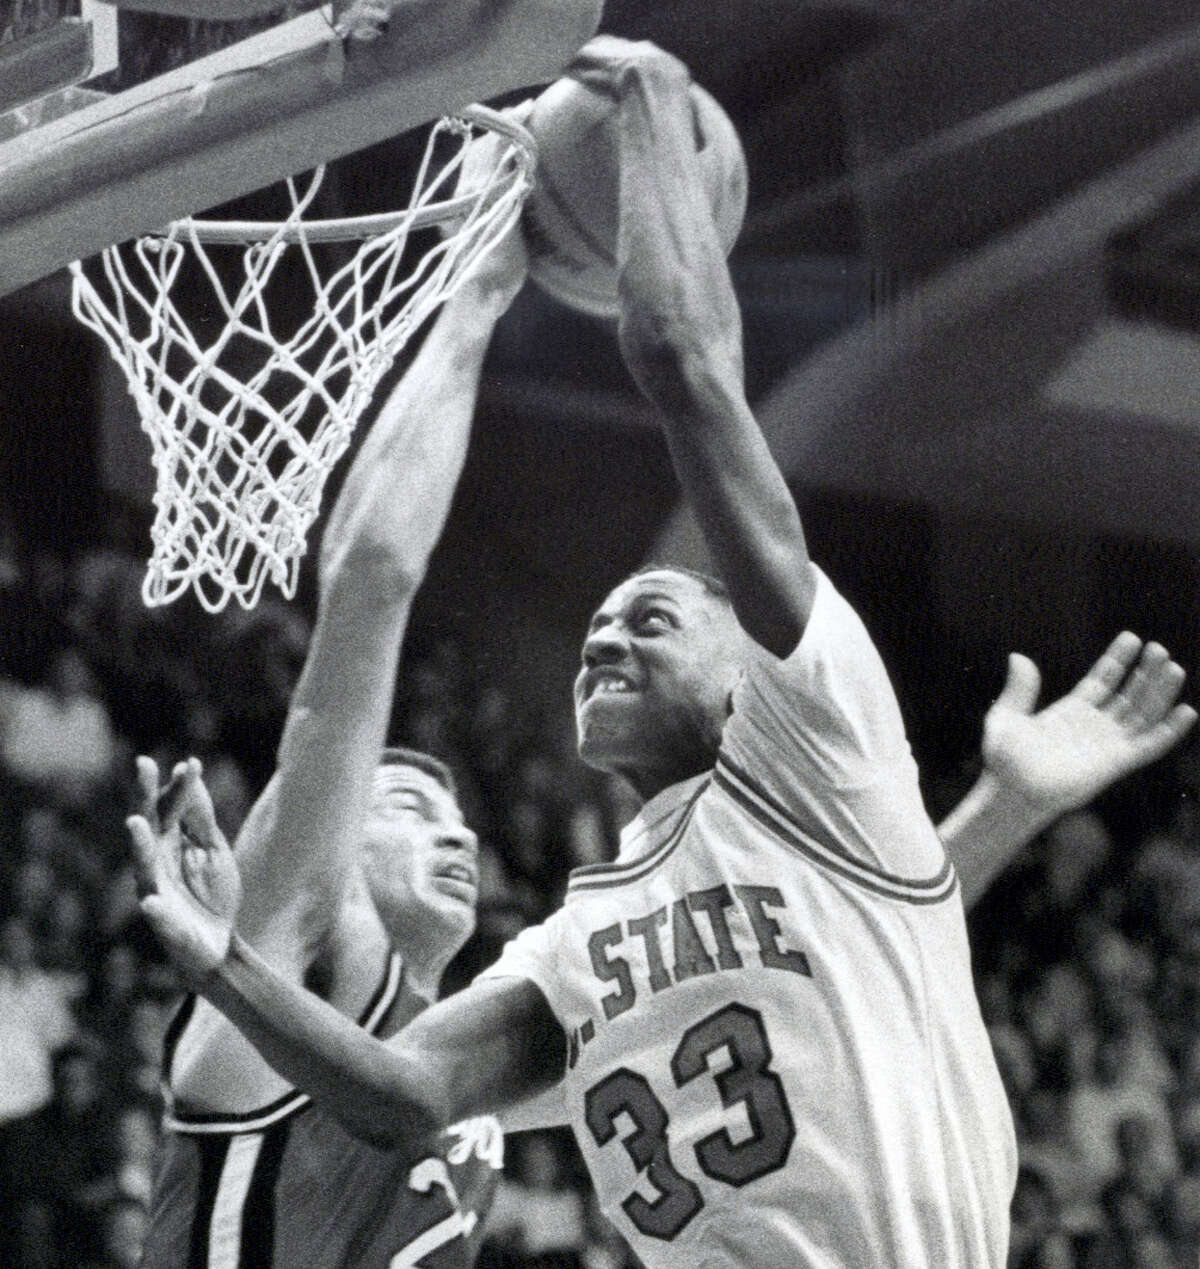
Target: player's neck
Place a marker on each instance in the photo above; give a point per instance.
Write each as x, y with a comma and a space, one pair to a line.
649, 782
424, 976
350, 960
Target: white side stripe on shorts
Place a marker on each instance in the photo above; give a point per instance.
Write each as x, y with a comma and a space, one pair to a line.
225, 1226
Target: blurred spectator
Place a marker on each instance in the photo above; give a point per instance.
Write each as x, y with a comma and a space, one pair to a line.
124, 1223
67, 944
56, 736
136, 1139
260, 659
1097, 1107
1035, 1217
137, 1058
36, 1020
537, 1219
74, 1163
231, 794
1055, 1250
1046, 1149
115, 986
46, 836
1182, 1217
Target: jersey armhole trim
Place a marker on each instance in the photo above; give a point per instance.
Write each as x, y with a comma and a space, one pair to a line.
290, 1103
755, 800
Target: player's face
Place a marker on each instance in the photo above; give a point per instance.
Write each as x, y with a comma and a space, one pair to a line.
420, 860
659, 662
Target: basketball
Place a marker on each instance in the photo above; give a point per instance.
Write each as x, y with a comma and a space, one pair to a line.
570, 220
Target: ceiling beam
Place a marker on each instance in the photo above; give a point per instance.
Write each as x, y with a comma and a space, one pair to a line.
939, 397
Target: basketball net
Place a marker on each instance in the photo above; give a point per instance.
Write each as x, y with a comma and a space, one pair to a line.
246, 428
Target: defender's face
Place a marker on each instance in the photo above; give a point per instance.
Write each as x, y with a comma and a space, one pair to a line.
659, 662
419, 859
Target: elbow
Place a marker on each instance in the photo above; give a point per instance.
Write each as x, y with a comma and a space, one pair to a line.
375, 571
399, 1113
775, 614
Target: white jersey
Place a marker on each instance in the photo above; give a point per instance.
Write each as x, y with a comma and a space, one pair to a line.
776, 1056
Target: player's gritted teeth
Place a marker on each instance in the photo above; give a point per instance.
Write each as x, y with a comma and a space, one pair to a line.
605, 681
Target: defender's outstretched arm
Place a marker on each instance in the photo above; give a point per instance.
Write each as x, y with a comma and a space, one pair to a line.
484, 1049
1122, 715
680, 332
299, 841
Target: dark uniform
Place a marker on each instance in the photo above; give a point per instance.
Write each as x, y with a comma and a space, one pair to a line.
285, 1186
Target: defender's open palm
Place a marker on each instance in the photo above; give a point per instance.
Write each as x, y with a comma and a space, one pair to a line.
188, 879
1119, 717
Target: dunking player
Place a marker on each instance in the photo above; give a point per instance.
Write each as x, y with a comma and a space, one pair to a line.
759, 1021
360, 881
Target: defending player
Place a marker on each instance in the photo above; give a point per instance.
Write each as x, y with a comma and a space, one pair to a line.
360, 881
759, 1021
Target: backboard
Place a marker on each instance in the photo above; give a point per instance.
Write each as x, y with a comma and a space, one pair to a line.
80, 171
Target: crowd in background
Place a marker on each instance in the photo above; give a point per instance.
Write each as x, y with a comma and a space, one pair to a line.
1087, 952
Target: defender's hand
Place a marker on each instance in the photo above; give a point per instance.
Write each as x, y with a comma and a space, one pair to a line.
1119, 717
503, 269
188, 881
362, 19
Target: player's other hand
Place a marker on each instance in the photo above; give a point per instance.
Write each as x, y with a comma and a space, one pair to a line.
188, 882
361, 20
1121, 715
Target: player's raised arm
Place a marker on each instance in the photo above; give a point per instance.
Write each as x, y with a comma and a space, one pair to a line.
1121, 715
486, 1048
681, 336
300, 840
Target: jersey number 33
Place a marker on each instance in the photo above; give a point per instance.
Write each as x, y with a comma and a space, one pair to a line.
747, 1081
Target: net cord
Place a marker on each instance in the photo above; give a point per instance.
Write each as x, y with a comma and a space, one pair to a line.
239, 473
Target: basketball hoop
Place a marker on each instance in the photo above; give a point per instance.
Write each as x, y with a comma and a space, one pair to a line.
246, 428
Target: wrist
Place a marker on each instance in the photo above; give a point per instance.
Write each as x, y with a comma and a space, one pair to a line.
219, 975
481, 301
1011, 803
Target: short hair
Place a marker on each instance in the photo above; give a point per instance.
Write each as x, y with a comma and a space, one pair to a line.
711, 585
399, 756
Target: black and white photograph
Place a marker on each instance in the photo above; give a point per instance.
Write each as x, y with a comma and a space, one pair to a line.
599, 634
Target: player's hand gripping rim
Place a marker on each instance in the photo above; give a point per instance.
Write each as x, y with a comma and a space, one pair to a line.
362, 20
